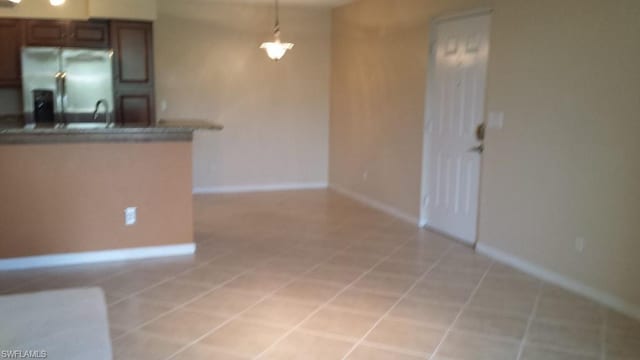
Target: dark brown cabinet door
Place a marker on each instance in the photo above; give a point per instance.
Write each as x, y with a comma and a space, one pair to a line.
132, 44
46, 32
89, 34
135, 109
11, 41
133, 47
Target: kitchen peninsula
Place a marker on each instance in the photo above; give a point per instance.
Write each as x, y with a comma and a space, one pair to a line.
64, 193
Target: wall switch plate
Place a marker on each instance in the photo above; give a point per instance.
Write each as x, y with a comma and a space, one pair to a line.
130, 216
163, 105
579, 244
496, 120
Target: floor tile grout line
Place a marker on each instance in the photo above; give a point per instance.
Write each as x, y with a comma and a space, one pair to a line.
266, 296
175, 308
603, 335
565, 350
166, 280
323, 305
370, 344
186, 303
460, 312
402, 297
532, 317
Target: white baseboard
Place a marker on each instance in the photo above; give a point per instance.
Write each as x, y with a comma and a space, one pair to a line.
378, 205
562, 281
259, 188
96, 256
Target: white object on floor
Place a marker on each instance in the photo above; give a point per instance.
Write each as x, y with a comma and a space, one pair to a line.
65, 324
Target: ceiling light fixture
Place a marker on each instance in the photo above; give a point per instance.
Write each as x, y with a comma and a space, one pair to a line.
15, 1
57, 2
276, 49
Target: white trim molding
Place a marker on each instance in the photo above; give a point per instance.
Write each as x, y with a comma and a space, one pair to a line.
259, 188
378, 205
96, 256
562, 281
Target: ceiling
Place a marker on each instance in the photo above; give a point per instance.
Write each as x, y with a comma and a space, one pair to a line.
321, 3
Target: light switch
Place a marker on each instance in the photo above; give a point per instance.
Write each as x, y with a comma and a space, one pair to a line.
496, 120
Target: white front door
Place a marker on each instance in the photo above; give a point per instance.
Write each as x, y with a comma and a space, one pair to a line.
455, 109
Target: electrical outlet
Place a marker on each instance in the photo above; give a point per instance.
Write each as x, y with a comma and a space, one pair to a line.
130, 216
579, 244
163, 105
365, 175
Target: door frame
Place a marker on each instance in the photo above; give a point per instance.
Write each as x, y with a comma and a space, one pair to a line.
424, 186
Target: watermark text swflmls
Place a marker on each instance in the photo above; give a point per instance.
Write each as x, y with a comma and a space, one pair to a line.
23, 354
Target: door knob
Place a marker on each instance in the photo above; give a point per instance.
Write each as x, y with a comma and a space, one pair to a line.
479, 149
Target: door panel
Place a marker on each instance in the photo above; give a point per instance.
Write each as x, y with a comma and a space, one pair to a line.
134, 52
133, 59
455, 110
135, 109
39, 68
89, 34
46, 32
11, 39
88, 79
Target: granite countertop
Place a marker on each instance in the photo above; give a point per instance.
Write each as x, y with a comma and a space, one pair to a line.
13, 132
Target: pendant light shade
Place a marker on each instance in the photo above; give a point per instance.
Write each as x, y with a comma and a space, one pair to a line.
276, 49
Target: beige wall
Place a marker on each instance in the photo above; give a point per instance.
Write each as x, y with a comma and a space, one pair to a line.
65, 198
208, 66
567, 163
379, 64
123, 9
83, 9
564, 166
72, 9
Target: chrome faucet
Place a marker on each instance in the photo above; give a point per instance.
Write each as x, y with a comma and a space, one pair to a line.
107, 115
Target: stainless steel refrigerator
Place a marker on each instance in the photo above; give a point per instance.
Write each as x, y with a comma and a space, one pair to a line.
63, 85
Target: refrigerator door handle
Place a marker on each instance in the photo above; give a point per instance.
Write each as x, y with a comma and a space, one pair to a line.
61, 89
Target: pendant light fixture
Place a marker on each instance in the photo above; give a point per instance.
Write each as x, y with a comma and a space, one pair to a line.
276, 49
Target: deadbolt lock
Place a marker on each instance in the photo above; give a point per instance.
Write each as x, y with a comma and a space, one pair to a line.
480, 132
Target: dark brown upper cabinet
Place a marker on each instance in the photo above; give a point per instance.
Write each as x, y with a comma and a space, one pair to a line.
133, 51
46, 32
89, 34
11, 41
132, 44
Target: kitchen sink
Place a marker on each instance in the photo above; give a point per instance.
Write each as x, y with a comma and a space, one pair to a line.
88, 125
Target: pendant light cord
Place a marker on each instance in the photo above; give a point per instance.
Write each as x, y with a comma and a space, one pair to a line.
276, 28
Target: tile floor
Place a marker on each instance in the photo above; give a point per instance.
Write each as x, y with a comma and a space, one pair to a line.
312, 275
